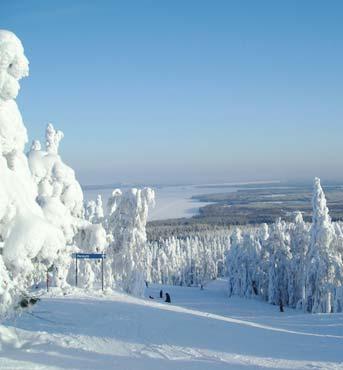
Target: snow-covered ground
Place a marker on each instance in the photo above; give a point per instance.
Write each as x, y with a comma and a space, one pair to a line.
199, 330
177, 202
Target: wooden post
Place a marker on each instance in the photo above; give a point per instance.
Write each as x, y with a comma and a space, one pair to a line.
76, 270
102, 273
47, 280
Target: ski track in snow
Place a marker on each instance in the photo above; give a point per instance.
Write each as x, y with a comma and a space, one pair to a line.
202, 330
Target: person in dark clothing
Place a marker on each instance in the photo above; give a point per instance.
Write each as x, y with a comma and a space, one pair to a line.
254, 287
168, 298
161, 293
281, 305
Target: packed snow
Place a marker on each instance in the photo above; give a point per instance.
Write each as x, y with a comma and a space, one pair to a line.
200, 329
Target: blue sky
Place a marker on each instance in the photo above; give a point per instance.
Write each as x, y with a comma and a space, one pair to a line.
185, 91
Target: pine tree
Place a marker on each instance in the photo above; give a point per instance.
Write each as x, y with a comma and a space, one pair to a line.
321, 261
280, 255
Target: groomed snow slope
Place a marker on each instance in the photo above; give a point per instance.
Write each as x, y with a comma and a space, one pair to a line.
200, 330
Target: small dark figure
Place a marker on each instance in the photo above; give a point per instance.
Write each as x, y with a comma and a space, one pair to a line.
168, 300
24, 303
281, 306
161, 293
27, 302
147, 284
33, 301
201, 287
151, 297
254, 287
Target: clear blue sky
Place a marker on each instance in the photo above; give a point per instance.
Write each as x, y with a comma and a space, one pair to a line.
186, 91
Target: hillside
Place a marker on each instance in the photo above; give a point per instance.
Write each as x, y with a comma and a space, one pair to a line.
199, 330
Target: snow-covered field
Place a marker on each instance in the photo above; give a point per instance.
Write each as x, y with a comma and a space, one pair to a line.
199, 330
171, 201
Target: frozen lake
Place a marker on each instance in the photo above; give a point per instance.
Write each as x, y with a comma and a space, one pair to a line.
172, 201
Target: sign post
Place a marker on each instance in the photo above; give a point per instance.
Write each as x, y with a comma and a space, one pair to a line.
50, 269
91, 256
76, 271
47, 280
102, 274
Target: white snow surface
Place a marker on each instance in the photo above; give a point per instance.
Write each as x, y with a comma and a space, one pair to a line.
173, 201
201, 329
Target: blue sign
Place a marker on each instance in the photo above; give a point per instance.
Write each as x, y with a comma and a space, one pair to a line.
89, 255
92, 256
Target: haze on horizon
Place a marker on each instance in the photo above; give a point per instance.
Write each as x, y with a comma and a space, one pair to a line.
176, 92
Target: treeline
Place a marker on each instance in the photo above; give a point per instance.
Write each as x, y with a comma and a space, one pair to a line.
192, 260
297, 264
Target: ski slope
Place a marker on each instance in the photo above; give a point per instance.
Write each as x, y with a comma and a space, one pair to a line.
201, 329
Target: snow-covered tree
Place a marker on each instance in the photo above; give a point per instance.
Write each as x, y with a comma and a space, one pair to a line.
280, 256
94, 211
27, 237
53, 139
90, 210
323, 270
233, 263
263, 266
291, 263
99, 211
193, 260
54, 178
300, 239
128, 251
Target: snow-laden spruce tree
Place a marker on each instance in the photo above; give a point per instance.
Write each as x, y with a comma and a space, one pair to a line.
90, 210
233, 263
61, 198
29, 242
94, 211
55, 180
91, 238
128, 251
113, 201
280, 256
244, 264
338, 245
324, 264
263, 266
208, 266
298, 264
252, 258
193, 260
300, 239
